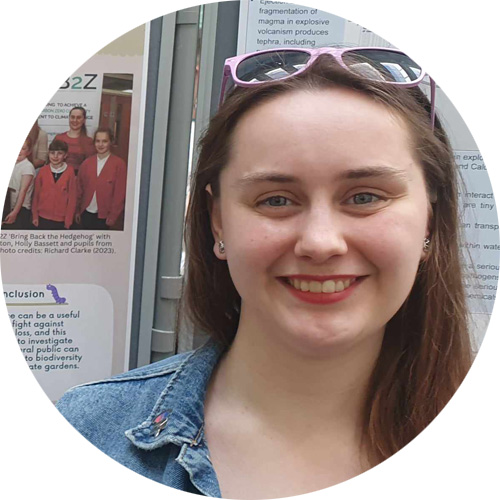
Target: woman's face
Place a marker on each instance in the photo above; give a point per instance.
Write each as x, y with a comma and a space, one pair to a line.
76, 119
322, 193
102, 143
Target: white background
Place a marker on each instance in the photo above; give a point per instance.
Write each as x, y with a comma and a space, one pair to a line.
44, 42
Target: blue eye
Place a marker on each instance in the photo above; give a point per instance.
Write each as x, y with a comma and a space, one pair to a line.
364, 198
276, 201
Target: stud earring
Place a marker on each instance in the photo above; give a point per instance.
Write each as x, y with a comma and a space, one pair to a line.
427, 243
221, 247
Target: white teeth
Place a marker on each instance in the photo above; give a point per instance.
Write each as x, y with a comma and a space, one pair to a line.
329, 286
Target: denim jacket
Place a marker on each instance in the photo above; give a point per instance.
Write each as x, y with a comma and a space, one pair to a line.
151, 419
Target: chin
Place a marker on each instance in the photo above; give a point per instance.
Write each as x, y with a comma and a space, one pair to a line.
323, 342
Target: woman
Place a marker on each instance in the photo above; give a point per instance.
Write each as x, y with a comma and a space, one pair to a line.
324, 262
101, 182
80, 145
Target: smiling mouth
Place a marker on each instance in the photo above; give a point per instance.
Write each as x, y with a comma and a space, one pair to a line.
328, 286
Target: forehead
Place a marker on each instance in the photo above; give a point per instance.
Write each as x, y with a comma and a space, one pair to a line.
102, 135
76, 113
319, 134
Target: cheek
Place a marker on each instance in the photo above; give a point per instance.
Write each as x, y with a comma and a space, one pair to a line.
257, 240
252, 242
392, 241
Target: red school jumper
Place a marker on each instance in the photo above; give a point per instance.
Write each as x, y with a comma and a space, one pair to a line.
55, 200
109, 187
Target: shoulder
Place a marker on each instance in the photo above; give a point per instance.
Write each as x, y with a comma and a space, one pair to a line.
26, 167
130, 395
114, 412
117, 162
117, 159
45, 170
91, 160
153, 371
62, 137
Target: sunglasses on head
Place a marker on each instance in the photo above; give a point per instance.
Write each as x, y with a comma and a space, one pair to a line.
373, 63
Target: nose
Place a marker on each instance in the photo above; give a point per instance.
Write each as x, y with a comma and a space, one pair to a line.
320, 235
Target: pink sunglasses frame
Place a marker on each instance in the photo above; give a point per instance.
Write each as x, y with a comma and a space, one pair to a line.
231, 65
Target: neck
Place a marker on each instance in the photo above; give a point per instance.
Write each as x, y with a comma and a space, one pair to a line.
74, 133
262, 376
101, 156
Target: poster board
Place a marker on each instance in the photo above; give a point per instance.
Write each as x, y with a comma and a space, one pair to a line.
69, 291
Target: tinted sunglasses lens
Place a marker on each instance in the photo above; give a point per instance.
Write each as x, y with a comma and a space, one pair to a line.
271, 65
382, 65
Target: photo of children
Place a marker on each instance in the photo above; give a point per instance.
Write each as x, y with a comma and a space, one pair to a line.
81, 183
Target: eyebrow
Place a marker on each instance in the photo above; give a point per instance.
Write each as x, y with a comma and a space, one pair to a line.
257, 177
379, 171
355, 173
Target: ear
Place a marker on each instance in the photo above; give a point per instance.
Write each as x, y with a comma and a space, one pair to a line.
215, 221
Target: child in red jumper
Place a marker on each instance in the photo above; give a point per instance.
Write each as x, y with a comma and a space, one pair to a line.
101, 186
54, 199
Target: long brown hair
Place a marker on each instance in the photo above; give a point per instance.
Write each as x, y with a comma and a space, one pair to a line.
426, 351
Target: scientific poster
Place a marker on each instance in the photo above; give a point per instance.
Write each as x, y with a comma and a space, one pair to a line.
265, 24
68, 291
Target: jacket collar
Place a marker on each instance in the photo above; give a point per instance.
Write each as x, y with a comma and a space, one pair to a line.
178, 415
